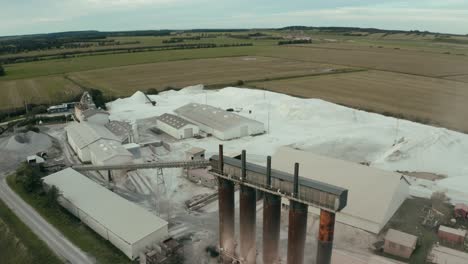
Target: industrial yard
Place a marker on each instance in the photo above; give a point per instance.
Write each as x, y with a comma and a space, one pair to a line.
148, 156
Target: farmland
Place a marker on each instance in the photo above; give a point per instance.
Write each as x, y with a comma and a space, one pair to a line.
418, 76
423, 99
219, 71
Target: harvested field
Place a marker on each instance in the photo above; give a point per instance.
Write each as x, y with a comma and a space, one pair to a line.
460, 78
402, 61
422, 99
37, 90
126, 80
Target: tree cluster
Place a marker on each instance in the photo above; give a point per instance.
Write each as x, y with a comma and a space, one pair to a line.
2, 71
297, 41
98, 98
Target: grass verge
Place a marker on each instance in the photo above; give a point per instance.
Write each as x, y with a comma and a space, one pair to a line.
18, 244
71, 227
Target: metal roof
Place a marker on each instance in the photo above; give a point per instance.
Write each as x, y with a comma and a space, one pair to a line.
85, 133
119, 128
401, 238
174, 121
454, 231
216, 118
444, 255
125, 219
371, 190
104, 149
283, 175
195, 150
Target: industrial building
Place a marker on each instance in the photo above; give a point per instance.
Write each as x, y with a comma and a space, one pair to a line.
81, 135
122, 130
399, 244
374, 194
176, 126
195, 154
126, 225
106, 152
220, 123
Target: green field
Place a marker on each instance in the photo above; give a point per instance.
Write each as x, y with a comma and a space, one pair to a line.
413, 55
18, 244
71, 227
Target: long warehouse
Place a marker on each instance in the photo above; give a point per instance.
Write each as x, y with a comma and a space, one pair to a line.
129, 227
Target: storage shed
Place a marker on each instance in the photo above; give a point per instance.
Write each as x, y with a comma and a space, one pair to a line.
219, 122
195, 154
374, 194
399, 244
176, 126
451, 235
81, 135
126, 225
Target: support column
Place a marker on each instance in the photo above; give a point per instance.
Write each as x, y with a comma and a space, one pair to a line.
325, 237
271, 227
297, 225
247, 216
226, 218
297, 232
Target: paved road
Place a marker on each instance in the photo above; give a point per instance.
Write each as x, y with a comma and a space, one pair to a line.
54, 239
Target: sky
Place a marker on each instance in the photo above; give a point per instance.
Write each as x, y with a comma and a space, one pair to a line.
44, 16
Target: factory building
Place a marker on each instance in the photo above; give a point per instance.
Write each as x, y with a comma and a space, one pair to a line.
220, 123
126, 225
374, 194
123, 130
81, 135
176, 126
106, 152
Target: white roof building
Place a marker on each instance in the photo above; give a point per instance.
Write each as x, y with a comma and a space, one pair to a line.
176, 126
81, 135
106, 151
220, 123
374, 195
126, 225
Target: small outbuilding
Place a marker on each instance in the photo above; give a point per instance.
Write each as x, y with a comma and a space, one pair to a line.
176, 126
399, 244
451, 235
195, 154
129, 227
461, 211
219, 122
34, 159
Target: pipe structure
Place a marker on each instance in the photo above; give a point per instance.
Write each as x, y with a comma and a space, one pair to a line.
244, 165
221, 159
271, 222
297, 232
226, 219
268, 172
325, 237
296, 180
247, 221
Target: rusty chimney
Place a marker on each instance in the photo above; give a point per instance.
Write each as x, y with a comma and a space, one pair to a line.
244, 165
221, 159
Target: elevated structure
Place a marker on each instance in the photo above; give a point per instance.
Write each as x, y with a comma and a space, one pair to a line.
176, 126
275, 185
220, 123
374, 194
151, 165
126, 225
